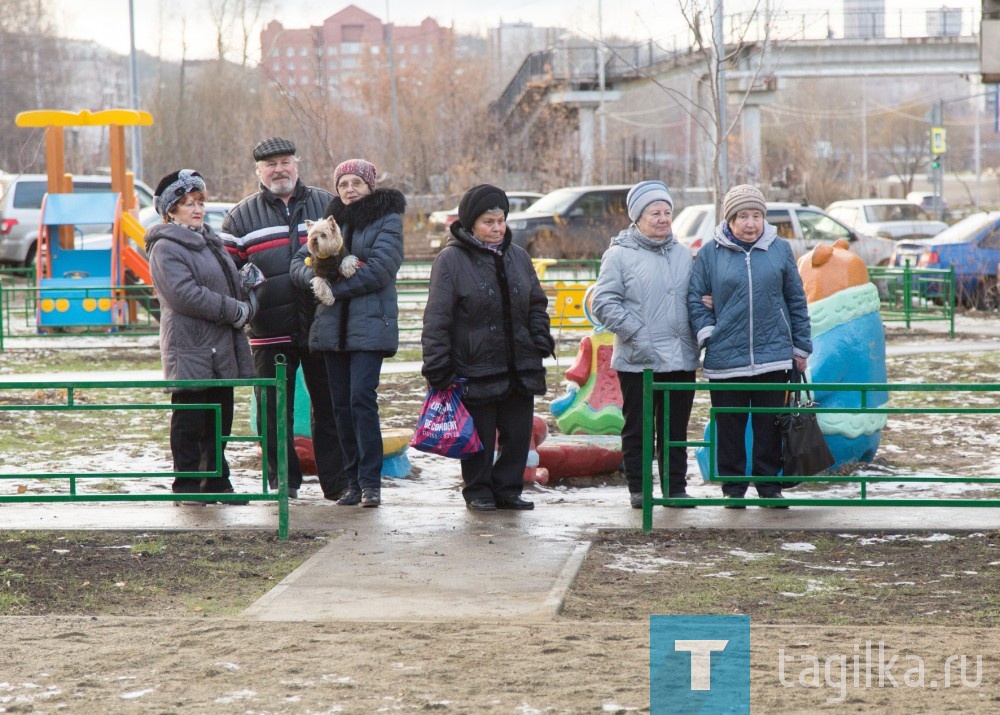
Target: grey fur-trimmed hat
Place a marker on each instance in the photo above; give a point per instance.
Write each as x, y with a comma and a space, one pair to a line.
273, 146
174, 186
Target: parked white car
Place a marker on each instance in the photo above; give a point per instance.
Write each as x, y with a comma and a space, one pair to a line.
896, 219
803, 226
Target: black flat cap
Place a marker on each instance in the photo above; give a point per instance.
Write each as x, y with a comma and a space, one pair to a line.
273, 146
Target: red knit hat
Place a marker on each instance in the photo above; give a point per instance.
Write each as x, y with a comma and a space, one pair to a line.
359, 167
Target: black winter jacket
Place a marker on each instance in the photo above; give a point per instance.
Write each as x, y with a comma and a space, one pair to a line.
485, 321
267, 233
365, 316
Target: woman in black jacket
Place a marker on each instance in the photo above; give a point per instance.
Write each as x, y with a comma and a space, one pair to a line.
361, 328
486, 323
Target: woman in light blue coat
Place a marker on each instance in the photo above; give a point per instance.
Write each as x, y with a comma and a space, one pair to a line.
641, 297
755, 328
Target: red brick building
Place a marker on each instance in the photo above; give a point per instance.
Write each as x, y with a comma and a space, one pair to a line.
342, 48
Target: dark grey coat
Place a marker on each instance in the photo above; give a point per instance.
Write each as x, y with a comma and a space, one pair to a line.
365, 316
199, 290
485, 321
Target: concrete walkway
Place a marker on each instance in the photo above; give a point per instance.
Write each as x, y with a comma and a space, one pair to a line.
416, 562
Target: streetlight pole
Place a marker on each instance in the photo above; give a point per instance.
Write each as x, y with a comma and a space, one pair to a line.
134, 72
601, 117
722, 148
396, 131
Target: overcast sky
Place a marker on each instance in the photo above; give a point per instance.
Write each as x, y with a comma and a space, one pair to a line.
106, 21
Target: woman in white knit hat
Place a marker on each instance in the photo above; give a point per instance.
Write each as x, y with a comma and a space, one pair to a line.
754, 330
641, 297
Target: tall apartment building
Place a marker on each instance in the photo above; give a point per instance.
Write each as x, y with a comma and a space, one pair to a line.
332, 54
864, 19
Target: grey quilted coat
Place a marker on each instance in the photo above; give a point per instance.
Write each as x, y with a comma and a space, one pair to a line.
641, 297
199, 290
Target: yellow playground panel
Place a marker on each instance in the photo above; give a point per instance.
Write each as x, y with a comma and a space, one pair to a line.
567, 299
82, 287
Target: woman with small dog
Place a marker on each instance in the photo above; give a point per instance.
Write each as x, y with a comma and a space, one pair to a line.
486, 324
361, 327
203, 311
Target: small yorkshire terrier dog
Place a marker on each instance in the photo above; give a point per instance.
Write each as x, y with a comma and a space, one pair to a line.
328, 257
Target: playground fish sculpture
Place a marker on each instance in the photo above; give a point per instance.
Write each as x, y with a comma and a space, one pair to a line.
848, 347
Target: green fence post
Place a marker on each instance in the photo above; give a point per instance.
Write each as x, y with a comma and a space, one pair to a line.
647, 449
281, 437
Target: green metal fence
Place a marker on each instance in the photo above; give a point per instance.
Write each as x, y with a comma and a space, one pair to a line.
864, 391
19, 306
25, 397
912, 295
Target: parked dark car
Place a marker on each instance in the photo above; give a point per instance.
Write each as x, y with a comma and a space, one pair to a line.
573, 222
971, 247
439, 222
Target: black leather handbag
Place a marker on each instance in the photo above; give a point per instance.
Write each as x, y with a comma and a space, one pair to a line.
804, 448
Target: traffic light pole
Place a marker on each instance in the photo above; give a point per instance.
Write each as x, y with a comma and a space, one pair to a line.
937, 156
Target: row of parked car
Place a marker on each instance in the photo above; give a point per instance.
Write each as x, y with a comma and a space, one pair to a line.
577, 222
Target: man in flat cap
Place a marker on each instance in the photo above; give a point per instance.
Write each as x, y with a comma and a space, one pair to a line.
267, 229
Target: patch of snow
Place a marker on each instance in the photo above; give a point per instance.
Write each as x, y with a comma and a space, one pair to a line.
812, 586
798, 546
747, 555
136, 694
233, 697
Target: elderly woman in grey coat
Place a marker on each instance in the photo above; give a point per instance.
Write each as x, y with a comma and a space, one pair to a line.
641, 297
203, 311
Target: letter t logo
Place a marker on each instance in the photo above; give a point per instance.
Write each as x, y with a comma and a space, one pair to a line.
701, 660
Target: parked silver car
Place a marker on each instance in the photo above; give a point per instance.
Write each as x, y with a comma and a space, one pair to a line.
20, 211
896, 219
803, 226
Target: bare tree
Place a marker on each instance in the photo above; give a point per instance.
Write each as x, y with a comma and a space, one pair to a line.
903, 144
235, 18
27, 45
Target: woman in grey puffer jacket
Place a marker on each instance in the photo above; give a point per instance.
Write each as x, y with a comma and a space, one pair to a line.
203, 312
641, 297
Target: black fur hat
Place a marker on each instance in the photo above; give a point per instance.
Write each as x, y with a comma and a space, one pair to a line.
477, 201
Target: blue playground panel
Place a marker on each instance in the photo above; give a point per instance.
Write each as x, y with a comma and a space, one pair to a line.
75, 301
79, 291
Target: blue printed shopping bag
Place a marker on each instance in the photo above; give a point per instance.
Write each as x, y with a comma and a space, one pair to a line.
445, 426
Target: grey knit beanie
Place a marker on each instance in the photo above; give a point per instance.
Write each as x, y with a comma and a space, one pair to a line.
743, 197
643, 194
